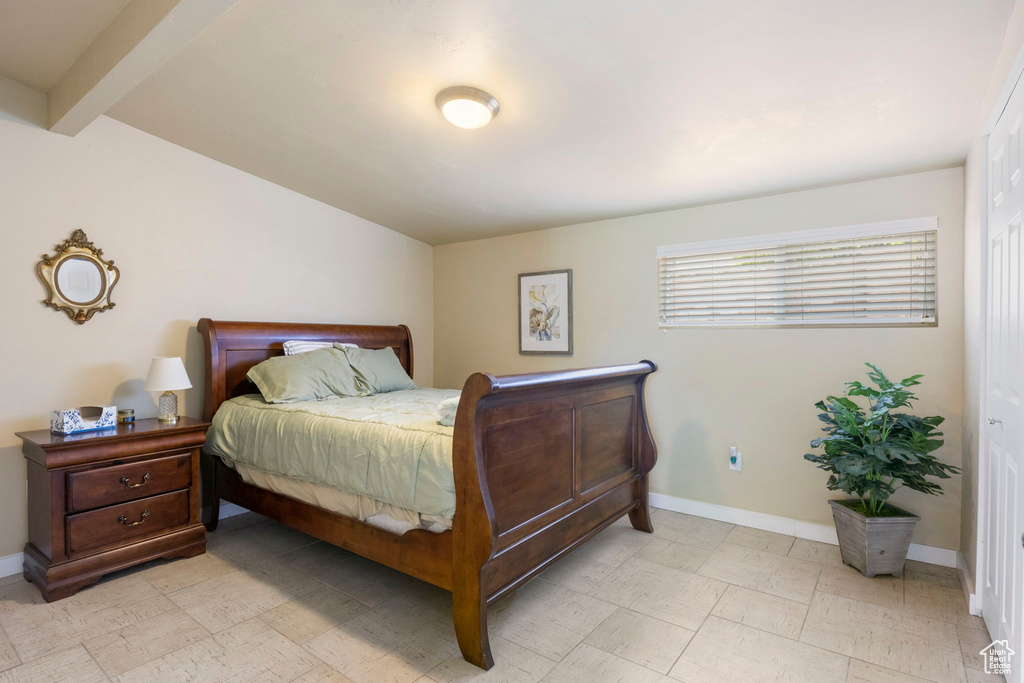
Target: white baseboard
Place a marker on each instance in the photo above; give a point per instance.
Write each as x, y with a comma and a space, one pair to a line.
230, 510
11, 564
973, 601
758, 520
944, 557
791, 527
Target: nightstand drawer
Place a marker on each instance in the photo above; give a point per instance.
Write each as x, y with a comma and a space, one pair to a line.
116, 484
128, 521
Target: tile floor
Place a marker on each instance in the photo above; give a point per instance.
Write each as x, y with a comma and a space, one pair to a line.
698, 600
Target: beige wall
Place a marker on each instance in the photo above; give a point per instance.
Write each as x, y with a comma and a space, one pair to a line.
192, 238
974, 290
752, 388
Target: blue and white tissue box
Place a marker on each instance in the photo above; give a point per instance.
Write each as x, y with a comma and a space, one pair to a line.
84, 419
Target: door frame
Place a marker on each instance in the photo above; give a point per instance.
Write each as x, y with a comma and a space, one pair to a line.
1013, 78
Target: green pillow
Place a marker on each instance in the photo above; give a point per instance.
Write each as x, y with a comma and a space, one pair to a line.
379, 369
323, 373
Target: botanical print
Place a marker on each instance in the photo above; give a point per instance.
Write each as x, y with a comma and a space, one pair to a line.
544, 312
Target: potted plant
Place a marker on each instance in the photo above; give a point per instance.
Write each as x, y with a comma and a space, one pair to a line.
871, 453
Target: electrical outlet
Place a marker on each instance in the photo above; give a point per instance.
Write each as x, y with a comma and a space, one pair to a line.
735, 459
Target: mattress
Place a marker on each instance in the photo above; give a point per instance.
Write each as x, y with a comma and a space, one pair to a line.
388, 448
384, 516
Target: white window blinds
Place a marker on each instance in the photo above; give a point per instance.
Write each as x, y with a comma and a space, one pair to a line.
876, 274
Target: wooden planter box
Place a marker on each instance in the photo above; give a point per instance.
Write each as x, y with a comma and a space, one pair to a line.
874, 545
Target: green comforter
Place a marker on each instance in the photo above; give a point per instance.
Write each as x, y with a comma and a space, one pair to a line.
389, 447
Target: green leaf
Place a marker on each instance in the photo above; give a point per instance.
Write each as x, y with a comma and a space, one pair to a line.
846, 403
870, 452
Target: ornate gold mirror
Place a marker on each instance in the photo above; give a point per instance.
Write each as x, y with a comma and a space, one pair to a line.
78, 280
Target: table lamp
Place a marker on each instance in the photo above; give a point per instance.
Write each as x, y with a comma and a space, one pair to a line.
167, 375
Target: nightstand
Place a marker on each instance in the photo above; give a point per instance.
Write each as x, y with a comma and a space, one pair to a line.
106, 500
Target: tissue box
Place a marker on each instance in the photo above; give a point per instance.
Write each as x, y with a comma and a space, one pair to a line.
84, 419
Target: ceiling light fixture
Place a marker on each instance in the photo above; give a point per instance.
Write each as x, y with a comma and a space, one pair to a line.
467, 107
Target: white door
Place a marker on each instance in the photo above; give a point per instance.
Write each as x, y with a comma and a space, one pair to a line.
1001, 585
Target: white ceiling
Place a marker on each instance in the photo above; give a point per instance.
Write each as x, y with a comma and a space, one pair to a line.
608, 108
41, 39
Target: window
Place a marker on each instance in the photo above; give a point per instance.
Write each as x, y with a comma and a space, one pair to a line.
875, 274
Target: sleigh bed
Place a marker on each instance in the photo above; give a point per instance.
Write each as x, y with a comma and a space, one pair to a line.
541, 463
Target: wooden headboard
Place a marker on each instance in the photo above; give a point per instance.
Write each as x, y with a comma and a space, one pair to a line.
234, 347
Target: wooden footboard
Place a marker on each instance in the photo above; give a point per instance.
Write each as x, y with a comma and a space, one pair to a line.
542, 462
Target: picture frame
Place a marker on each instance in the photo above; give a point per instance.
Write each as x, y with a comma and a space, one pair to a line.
545, 313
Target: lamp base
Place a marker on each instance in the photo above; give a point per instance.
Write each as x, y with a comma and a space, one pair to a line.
168, 407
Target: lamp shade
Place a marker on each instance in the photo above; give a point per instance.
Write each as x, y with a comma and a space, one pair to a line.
167, 374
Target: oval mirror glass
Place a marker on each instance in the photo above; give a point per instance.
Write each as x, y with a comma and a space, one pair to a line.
80, 280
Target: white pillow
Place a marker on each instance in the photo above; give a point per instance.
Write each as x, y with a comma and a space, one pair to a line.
294, 347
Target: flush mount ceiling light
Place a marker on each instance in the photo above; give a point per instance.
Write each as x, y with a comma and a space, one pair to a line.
467, 107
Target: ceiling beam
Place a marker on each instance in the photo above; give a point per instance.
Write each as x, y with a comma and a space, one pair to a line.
137, 42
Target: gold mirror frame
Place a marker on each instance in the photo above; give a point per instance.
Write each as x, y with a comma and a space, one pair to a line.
77, 246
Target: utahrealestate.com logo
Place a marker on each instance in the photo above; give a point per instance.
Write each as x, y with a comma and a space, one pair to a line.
997, 657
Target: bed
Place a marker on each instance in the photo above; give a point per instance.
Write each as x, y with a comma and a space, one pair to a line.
540, 463
383, 459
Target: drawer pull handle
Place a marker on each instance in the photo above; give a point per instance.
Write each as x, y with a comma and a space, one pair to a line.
145, 478
124, 520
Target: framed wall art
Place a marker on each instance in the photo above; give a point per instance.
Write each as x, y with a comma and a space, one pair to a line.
545, 313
